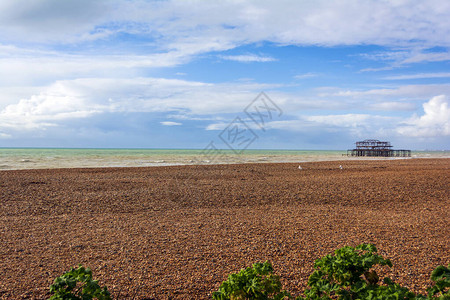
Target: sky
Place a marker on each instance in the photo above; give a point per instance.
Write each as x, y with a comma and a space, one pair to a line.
239, 74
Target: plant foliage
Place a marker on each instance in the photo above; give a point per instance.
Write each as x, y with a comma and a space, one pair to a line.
77, 284
346, 275
441, 288
256, 282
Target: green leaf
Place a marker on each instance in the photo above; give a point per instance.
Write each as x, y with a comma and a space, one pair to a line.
77, 284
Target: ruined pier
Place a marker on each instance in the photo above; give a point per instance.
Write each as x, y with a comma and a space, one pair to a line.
377, 148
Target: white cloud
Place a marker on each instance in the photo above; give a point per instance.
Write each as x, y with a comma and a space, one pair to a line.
387, 68
4, 135
358, 125
248, 58
392, 106
221, 125
426, 57
170, 123
343, 125
52, 20
418, 76
402, 58
52, 70
306, 75
173, 32
57, 103
11, 94
30, 68
217, 126
83, 98
204, 25
411, 91
347, 120
433, 123
68, 100
333, 122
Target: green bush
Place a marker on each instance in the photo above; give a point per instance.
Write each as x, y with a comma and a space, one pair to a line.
441, 288
346, 275
77, 284
256, 282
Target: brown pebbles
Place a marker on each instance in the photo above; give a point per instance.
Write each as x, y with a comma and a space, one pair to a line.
177, 232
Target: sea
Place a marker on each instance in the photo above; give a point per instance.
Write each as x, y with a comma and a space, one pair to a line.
50, 158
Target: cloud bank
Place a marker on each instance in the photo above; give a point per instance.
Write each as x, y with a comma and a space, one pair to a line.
65, 62
434, 122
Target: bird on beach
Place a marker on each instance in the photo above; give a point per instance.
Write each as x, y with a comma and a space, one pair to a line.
299, 167
340, 167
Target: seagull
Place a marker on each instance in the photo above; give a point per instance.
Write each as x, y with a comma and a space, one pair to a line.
299, 167
340, 167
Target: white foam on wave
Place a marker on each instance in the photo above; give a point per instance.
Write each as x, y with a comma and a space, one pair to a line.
92, 158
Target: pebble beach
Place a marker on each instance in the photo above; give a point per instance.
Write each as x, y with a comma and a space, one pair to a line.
176, 232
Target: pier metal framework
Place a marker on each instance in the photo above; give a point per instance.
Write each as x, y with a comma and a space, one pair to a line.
377, 148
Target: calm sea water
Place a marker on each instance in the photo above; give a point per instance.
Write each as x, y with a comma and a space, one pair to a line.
43, 158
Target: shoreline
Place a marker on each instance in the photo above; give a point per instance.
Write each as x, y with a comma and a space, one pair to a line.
163, 164
178, 231
15, 159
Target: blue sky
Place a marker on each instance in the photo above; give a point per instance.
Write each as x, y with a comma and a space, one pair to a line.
175, 74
